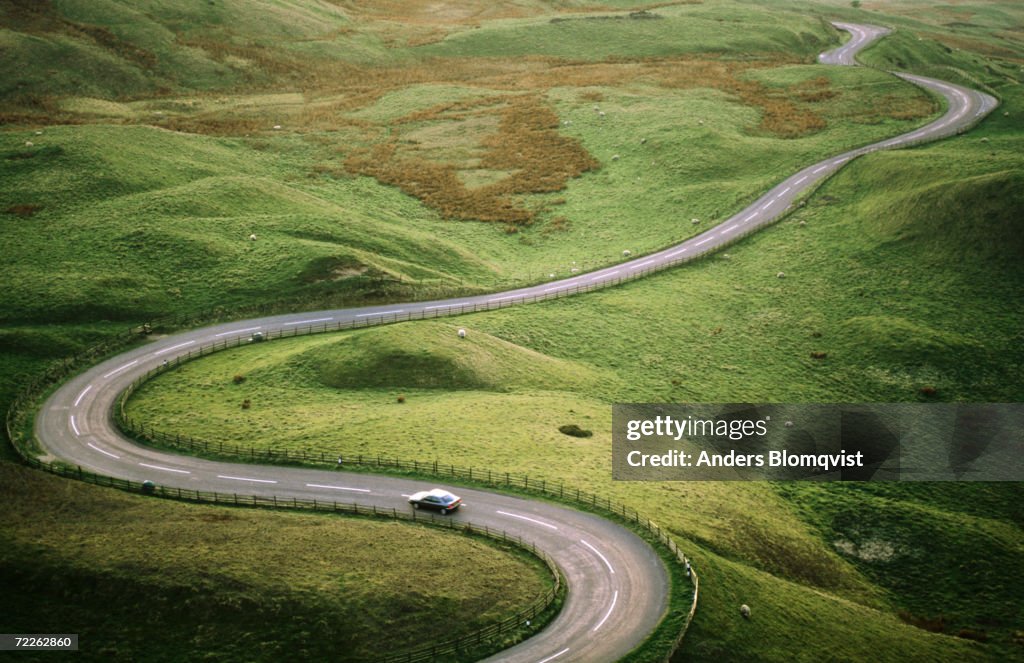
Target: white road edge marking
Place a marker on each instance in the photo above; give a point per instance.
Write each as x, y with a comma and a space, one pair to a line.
82, 395
320, 485
165, 469
598, 553
173, 347
553, 656
73, 426
615, 597
107, 453
306, 322
532, 520
118, 370
236, 331
367, 315
224, 476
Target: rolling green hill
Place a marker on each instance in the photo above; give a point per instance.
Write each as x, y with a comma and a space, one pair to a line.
143, 143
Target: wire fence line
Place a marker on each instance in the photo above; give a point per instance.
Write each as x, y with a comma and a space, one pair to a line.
522, 621
485, 476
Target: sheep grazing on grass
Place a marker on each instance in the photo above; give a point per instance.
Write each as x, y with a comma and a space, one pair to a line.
701, 122
551, 276
694, 221
745, 611
29, 143
615, 157
600, 114
462, 333
802, 223
643, 141
277, 126
596, 108
252, 237
627, 253
780, 275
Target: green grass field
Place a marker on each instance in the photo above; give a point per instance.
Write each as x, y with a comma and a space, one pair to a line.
154, 156
140, 578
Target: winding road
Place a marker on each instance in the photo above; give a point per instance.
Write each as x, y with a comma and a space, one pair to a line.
618, 586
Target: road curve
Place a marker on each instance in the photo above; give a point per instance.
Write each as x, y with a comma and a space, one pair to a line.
617, 584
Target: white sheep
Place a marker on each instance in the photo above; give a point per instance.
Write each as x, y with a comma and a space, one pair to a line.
615, 157
29, 143
277, 126
781, 275
627, 253
600, 114
745, 611
694, 221
252, 237
462, 333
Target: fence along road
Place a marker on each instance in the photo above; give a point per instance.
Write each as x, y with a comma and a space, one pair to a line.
617, 584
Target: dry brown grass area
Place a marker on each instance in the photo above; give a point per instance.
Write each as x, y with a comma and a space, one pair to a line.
526, 145
453, 158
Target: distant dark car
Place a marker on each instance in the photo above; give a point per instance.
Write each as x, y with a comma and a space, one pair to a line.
438, 499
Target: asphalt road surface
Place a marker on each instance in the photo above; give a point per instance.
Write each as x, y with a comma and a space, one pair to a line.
618, 586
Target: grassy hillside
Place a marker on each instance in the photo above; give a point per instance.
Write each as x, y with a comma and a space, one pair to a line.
138, 577
159, 155
917, 253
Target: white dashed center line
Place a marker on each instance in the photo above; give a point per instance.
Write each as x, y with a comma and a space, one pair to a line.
320, 485
553, 656
236, 331
306, 322
173, 347
598, 553
367, 315
532, 520
82, 395
165, 469
107, 453
224, 476
608, 614
118, 370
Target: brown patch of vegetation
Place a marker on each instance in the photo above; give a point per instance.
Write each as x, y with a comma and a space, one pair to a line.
24, 211
933, 624
526, 144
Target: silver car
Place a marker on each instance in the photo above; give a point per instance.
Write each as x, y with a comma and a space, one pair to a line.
437, 498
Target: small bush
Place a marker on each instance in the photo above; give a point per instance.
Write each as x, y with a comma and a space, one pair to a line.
933, 624
574, 431
239, 379
972, 634
246, 404
24, 211
819, 355
401, 398
928, 390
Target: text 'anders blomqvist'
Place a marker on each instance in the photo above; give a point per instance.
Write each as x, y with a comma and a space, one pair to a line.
676, 428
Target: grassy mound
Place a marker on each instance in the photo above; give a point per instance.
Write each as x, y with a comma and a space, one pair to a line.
437, 358
144, 578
